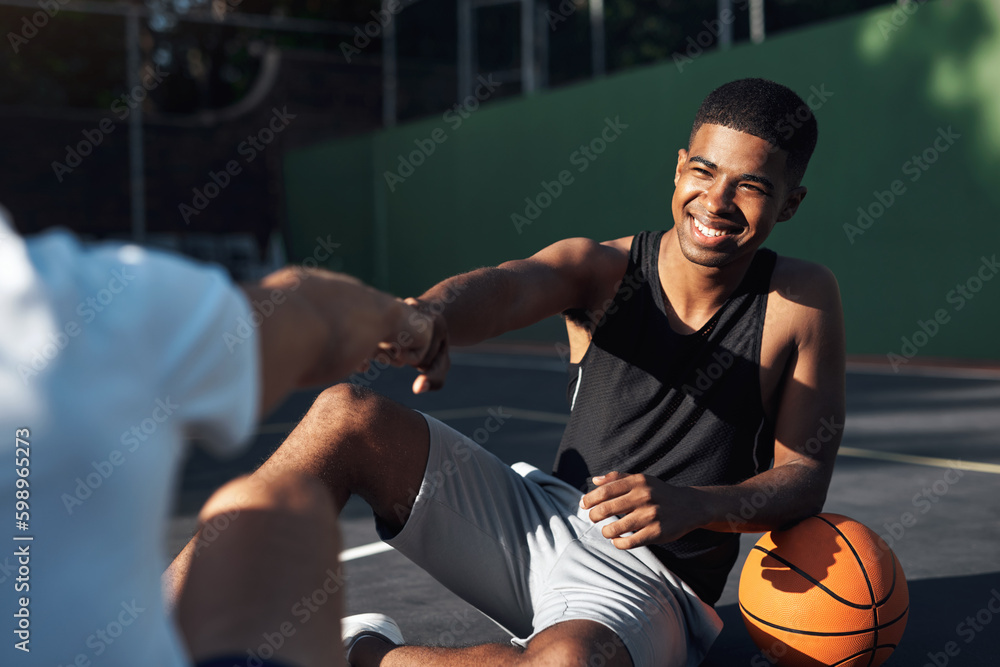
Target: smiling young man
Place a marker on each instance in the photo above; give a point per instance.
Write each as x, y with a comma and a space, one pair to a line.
698, 358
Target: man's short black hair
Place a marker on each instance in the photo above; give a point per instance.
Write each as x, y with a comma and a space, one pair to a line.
767, 110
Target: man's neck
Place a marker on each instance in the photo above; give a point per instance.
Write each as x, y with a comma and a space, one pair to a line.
693, 293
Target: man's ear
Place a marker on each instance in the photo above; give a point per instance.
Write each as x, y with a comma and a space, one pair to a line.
682, 156
792, 201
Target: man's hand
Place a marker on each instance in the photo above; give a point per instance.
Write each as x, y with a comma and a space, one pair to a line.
408, 339
652, 510
326, 325
435, 362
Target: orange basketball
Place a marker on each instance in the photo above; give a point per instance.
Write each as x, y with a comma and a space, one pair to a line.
827, 591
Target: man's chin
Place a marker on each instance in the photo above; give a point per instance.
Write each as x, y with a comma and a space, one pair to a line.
703, 256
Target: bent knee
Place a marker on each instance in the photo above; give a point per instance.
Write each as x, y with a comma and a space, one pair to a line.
354, 412
577, 644
291, 493
347, 398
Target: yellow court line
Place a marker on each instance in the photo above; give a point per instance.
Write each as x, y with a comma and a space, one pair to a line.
557, 418
955, 464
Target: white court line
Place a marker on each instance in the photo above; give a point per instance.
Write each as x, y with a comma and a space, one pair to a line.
364, 550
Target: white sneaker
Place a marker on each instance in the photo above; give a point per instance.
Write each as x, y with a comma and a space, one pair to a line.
353, 628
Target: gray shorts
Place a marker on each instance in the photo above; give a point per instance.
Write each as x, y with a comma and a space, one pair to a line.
514, 543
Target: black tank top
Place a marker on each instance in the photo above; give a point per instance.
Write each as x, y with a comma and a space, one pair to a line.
684, 408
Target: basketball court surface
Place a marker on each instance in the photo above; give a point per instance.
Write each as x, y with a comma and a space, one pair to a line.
919, 465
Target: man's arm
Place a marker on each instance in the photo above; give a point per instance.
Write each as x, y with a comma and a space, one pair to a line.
808, 427
324, 325
472, 307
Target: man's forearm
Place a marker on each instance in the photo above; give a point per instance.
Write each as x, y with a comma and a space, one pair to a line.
773, 499
475, 305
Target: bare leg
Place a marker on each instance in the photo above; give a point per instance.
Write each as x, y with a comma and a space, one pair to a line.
276, 546
355, 441
569, 644
352, 440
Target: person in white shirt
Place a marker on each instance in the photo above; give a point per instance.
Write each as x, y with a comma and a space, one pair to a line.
113, 355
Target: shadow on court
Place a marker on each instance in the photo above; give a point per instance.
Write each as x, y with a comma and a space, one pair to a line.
943, 524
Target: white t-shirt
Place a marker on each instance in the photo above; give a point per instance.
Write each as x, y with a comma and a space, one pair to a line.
112, 356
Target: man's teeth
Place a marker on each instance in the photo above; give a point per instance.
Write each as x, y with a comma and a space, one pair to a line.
708, 231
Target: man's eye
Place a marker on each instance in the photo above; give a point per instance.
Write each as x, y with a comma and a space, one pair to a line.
754, 188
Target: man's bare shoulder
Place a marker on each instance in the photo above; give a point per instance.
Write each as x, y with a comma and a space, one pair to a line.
580, 253
622, 245
802, 282
602, 266
805, 293
581, 246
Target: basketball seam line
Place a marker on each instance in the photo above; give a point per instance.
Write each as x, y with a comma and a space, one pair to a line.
872, 650
805, 575
868, 581
814, 633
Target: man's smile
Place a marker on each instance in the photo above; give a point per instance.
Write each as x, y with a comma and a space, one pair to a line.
708, 229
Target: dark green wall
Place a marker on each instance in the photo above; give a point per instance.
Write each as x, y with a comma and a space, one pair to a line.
329, 193
893, 81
